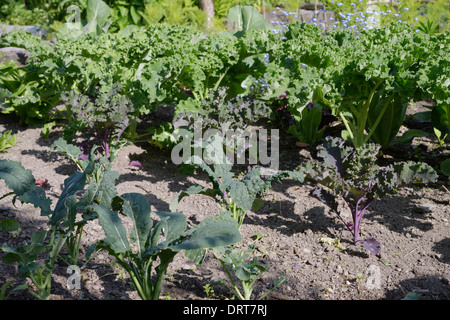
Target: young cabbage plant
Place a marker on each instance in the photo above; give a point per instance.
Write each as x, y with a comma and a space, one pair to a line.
354, 176
23, 186
7, 140
150, 241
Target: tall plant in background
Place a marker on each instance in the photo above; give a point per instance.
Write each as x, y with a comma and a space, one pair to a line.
182, 12
378, 82
434, 83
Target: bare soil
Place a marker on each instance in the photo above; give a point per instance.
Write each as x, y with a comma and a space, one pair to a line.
413, 227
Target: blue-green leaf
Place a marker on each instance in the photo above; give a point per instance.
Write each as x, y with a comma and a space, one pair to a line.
116, 234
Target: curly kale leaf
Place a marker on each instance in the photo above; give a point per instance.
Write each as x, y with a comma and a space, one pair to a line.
218, 112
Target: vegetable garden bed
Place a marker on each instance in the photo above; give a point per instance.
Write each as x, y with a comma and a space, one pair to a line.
293, 233
94, 205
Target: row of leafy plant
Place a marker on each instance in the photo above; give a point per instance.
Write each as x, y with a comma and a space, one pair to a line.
100, 84
157, 237
366, 81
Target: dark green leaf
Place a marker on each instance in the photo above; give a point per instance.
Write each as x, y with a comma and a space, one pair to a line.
409, 135
116, 234
445, 167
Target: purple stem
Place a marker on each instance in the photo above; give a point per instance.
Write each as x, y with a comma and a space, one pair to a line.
357, 218
104, 142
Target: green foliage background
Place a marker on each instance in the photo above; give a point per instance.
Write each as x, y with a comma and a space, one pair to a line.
51, 14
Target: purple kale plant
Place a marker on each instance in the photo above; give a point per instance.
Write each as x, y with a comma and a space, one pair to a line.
354, 176
102, 118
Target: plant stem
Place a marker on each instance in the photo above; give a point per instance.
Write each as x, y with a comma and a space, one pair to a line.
380, 115
248, 289
357, 218
220, 79
347, 126
235, 288
160, 276
363, 117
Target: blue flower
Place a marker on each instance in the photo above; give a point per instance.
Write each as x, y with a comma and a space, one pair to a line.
339, 4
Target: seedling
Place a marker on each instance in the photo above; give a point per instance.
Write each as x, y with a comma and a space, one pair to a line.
246, 268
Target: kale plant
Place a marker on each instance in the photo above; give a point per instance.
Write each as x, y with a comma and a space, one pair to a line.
218, 112
234, 194
105, 117
158, 241
222, 115
246, 268
354, 176
65, 230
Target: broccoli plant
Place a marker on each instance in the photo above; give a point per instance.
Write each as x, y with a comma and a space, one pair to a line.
354, 176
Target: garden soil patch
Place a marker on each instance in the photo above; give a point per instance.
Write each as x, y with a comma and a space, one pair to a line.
288, 232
